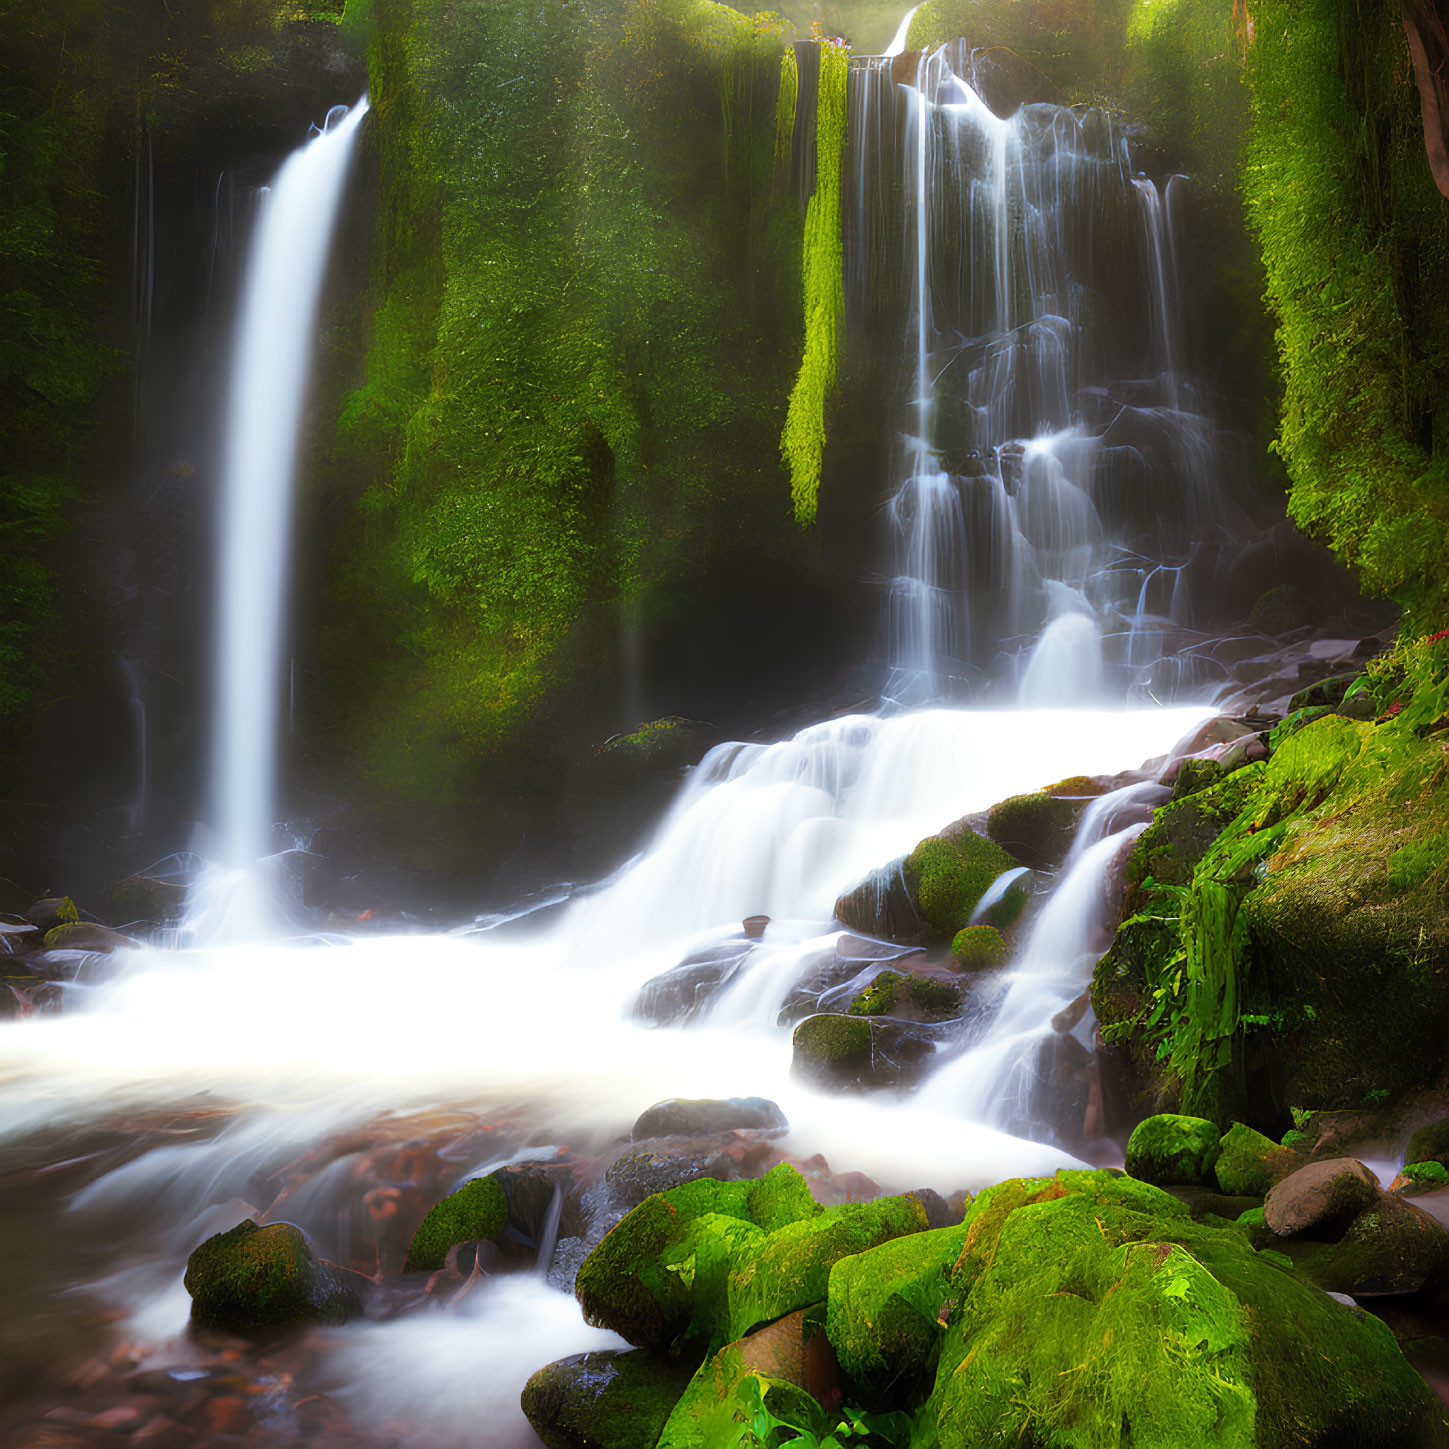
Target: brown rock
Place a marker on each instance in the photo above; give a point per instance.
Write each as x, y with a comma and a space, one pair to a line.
1323, 1197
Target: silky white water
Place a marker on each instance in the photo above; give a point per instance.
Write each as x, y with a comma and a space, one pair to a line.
269, 371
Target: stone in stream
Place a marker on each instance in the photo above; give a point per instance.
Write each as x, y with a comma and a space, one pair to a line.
1250, 1164
610, 1399
682, 993
1323, 1197
1430, 1144
681, 1117
479, 1209
52, 911
267, 1277
86, 936
978, 948
836, 1050
1036, 829
144, 899
907, 996
1390, 1248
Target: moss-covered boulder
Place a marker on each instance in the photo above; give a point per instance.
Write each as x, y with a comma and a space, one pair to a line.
1430, 1144
1390, 1248
661, 1274
1090, 1307
266, 1277
929, 896
1170, 1149
978, 948
694, 1117
610, 1399
479, 1209
143, 898
726, 1396
1035, 829
86, 936
861, 1052
1415, 1177
1249, 1164
909, 995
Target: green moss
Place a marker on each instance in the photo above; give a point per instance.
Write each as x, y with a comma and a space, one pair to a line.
894, 991
948, 874
790, 1268
1280, 610
1425, 1176
1169, 1149
887, 1309
1248, 1164
726, 1404
1430, 1144
251, 1277
803, 441
1036, 829
978, 948
1356, 248
837, 1043
477, 1210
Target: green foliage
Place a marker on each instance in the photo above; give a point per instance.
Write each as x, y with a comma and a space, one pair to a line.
572, 384
854, 1429
803, 441
1355, 240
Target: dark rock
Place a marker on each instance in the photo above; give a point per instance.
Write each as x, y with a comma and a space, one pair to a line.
1322, 1198
864, 1052
265, 1277
86, 936
680, 994
612, 1399
1280, 610
1392, 1247
662, 746
680, 1117
1327, 693
542, 1200
1430, 1144
52, 911
908, 996
881, 905
143, 899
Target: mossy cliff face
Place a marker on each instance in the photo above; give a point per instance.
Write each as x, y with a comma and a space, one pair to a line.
577, 364
1290, 954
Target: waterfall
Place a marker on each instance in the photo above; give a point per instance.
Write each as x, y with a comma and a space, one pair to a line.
1058, 472
270, 366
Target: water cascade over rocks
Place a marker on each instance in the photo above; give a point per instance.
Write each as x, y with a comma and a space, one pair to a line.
1056, 492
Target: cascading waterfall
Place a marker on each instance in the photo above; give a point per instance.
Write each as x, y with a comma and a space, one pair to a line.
1060, 474
270, 367
1049, 501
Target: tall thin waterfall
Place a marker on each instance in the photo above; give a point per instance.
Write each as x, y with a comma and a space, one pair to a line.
1059, 476
269, 374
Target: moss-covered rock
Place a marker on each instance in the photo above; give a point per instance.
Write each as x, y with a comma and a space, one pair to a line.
267, 1277
726, 1397
1035, 829
479, 1209
1248, 1164
1169, 1149
1421, 1177
1430, 1144
978, 948
947, 874
660, 1275
907, 994
1092, 1303
845, 1051
1390, 1248
1281, 609
86, 936
885, 1312
611, 1399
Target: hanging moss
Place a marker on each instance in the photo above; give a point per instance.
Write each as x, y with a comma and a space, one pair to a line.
803, 441
785, 115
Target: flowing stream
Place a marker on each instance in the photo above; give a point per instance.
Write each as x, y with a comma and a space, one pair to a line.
1044, 516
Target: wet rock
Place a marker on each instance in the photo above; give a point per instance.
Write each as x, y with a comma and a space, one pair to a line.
1070, 1016
754, 927
1035, 829
1172, 1149
1327, 693
881, 905
265, 1277
142, 899
612, 1399
1249, 1164
542, 1200
86, 936
26, 993
844, 1051
907, 996
1392, 1247
1322, 1198
685, 991
1417, 1177
1280, 610
645, 1170
658, 747
1430, 1144
479, 1209
52, 911
682, 1117
979, 948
